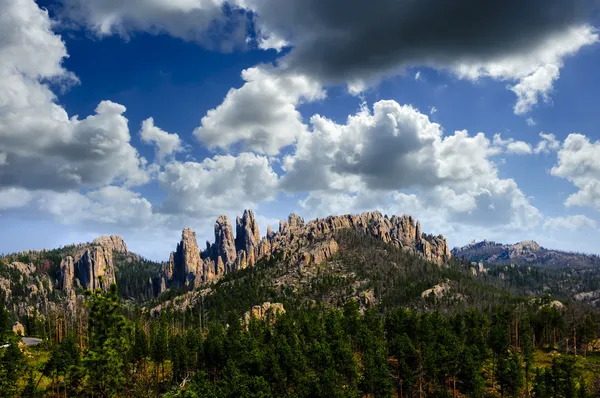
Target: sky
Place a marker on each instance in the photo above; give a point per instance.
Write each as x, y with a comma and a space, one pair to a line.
141, 118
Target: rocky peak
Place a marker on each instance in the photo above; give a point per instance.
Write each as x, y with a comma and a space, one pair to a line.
247, 237
95, 268
67, 273
186, 259
224, 241
112, 243
296, 241
295, 221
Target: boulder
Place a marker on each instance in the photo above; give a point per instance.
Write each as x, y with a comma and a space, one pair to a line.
18, 329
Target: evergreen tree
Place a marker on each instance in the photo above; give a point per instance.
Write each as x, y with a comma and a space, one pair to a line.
12, 364
105, 358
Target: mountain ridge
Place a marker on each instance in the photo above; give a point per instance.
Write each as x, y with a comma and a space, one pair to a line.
526, 252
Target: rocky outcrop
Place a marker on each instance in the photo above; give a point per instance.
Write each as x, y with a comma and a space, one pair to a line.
438, 291
526, 252
296, 242
319, 253
67, 273
112, 243
18, 329
187, 262
265, 311
95, 268
224, 247
247, 239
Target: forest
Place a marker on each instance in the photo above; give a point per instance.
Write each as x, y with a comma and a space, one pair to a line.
511, 351
357, 325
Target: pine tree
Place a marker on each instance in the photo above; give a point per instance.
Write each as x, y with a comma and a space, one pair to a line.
105, 358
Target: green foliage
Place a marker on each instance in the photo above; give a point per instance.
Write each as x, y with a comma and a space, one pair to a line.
105, 360
12, 364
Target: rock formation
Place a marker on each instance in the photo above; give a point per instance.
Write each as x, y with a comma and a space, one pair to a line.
91, 266
264, 311
67, 273
526, 252
247, 239
187, 262
95, 269
224, 247
18, 329
296, 242
111, 243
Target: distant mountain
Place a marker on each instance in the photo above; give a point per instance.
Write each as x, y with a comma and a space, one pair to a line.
524, 253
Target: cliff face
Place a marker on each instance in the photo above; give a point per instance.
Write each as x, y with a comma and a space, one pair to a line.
91, 266
297, 242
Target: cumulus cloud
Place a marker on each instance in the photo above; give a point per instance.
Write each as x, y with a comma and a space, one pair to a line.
579, 163
471, 39
166, 144
511, 146
535, 70
547, 144
217, 185
204, 21
42, 147
394, 149
12, 198
569, 223
261, 115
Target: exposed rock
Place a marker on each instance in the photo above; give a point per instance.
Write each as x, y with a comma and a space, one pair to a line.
587, 296
67, 273
295, 221
187, 261
112, 243
265, 311
224, 242
247, 238
321, 252
526, 252
438, 291
25, 269
296, 241
95, 269
18, 329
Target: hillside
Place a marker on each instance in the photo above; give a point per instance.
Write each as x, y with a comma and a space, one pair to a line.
524, 253
354, 305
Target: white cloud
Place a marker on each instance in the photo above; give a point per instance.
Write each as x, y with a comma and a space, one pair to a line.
538, 84
217, 185
569, 223
530, 122
579, 163
194, 20
42, 148
166, 144
511, 146
261, 115
548, 144
519, 148
377, 155
11, 198
537, 70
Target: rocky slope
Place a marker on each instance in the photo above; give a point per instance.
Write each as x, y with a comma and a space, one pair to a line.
39, 280
296, 242
524, 253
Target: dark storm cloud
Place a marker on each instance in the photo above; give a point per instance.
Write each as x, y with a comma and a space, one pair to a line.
345, 40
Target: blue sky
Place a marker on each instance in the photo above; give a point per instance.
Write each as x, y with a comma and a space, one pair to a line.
255, 108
